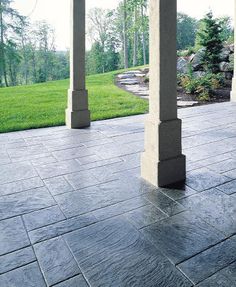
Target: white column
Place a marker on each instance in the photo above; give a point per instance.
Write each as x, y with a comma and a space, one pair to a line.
233, 92
77, 113
162, 162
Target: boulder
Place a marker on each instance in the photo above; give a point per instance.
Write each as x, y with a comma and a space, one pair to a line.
126, 76
231, 47
182, 65
224, 55
229, 75
132, 72
140, 75
224, 67
199, 74
196, 60
129, 82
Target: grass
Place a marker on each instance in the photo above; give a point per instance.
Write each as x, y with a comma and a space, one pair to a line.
43, 105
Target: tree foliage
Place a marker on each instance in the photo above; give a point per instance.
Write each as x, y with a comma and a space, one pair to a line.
186, 31
210, 38
27, 51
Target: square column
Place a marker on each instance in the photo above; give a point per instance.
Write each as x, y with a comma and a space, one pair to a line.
163, 163
77, 113
233, 92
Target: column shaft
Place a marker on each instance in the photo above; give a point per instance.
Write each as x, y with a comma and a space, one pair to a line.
162, 162
77, 113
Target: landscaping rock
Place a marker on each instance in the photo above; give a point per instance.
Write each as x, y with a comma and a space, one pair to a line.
132, 72
140, 75
182, 65
129, 82
231, 47
184, 104
199, 74
224, 67
196, 60
229, 75
126, 76
224, 55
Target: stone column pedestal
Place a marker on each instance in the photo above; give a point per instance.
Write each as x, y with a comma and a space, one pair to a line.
163, 163
77, 113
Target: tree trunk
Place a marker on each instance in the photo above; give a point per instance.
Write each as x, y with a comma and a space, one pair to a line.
143, 38
135, 48
2, 52
125, 40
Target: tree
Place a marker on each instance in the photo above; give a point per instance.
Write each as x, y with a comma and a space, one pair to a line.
186, 31
125, 36
102, 32
10, 23
226, 28
210, 38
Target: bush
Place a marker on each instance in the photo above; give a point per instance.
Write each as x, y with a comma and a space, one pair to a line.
201, 86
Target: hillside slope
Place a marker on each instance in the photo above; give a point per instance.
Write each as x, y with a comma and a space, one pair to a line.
43, 105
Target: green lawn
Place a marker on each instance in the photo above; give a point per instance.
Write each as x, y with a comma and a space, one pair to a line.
43, 105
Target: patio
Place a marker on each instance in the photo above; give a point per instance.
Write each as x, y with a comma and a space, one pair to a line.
74, 211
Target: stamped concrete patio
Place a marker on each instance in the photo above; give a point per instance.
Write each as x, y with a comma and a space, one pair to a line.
74, 212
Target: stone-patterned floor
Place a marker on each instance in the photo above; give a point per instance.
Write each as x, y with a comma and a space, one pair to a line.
74, 212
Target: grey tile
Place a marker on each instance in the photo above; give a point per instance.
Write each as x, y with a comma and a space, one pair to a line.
60, 228
43, 217
228, 188
98, 142
207, 263
223, 166
95, 197
25, 202
72, 153
77, 281
217, 280
103, 173
16, 259
119, 208
231, 174
180, 193
5, 160
27, 276
30, 157
43, 160
214, 207
58, 168
230, 272
23, 152
215, 159
163, 202
202, 179
81, 179
182, 236
22, 185
58, 185
13, 235
104, 162
105, 251
56, 261
88, 159
16, 171
145, 216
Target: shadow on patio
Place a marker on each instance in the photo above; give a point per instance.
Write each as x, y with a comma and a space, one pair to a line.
74, 212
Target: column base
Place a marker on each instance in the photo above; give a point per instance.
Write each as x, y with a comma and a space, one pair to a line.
163, 163
77, 119
163, 173
233, 92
